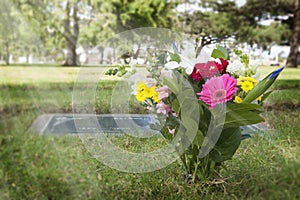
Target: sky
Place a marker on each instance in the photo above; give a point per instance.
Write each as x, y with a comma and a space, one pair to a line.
240, 2
191, 8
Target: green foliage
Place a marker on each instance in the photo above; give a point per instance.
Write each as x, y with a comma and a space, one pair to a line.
262, 86
244, 58
224, 19
10, 23
116, 71
220, 52
254, 11
216, 26
241, 115
227, 145
175, 57
136, 14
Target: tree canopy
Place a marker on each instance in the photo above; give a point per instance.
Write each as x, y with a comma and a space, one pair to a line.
61, 26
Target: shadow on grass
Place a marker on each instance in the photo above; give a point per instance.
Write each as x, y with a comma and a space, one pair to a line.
286, 84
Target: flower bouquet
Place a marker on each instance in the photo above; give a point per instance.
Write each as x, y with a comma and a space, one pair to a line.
202, 106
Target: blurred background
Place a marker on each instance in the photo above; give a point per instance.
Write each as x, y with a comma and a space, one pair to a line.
70, 32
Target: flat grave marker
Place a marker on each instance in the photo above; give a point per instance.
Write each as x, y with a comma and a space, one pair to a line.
116, 124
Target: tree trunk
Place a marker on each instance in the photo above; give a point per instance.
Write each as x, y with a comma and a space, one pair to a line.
137, 53
71, 38
101, 52
71, 59
294, 50
7, 52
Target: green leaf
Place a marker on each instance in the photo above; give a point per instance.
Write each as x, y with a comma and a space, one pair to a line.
242, 119
241, 115
175, 57
220, 52
162, 59
176, 105
198, 140
228, 143
260, 88
243, 107
172, 84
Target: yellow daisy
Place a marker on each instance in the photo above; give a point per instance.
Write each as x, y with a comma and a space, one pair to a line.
141, 86
238, 99
140, 97
253, 80
240, 80
259, 98
154, 94
144, 92
247, 86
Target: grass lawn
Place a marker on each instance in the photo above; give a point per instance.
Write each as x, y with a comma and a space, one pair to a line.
38, 167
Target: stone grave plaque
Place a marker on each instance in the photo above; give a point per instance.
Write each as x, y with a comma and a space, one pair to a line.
132, 124
110, 124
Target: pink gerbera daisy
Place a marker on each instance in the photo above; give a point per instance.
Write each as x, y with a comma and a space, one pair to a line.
218, 90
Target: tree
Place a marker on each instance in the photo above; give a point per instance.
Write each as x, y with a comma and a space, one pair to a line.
139, 13
212, 24
62, 21
292, 60
9, 23
244, 23
255, 10
131, 14
59, 21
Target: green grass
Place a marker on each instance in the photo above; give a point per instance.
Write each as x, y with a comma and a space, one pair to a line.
38, 167
286, 74
53, 74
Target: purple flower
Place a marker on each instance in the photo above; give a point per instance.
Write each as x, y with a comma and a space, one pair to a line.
276, 72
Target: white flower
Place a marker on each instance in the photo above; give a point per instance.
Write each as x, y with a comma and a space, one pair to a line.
172, 65
187, 64
236, 67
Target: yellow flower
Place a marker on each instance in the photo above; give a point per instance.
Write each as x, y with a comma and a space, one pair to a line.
238, 99
155, 98
259, 98
253, 80
140, 97
147, 92
247, 86
154, 94
240, 80
144, 92
141, 86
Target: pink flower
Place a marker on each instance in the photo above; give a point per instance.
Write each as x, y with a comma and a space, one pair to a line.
171, 131
150, 82
218, 90
163, 92
223, 66
163, 108
209, 69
